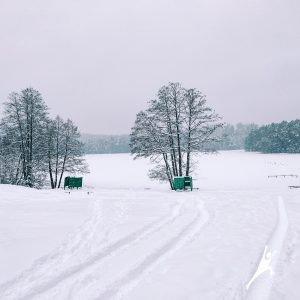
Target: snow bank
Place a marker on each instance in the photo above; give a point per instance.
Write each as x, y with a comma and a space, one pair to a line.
32, 222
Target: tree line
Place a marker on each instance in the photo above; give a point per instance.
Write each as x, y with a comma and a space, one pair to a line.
176, 124
36, 149
228, 137
99, 144
281, 137
232, 137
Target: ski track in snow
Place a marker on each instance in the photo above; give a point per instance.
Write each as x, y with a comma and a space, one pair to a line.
53, 272
259, 287
129, 239
125, 283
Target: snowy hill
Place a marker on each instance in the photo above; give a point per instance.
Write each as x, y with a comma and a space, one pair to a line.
124, 236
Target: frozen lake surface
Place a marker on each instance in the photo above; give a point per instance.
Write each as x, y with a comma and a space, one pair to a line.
125, 236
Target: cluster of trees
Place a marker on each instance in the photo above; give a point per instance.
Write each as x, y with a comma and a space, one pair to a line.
281, 137
177, 123
228, 137
34, 147
98, 144
232, 137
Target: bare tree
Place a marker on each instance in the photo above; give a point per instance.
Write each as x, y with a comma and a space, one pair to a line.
10, 158
161, 109
177, 101
177, 122
32, 145
148, 139
200, 124
65, 151
25, 118
72, 159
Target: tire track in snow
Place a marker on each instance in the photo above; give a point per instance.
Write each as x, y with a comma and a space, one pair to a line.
129, 280
10, 288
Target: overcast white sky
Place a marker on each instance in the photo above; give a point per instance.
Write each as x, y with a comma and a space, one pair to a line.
98, 62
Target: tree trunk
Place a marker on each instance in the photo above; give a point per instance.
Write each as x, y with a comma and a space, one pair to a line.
65, 159
23, 154
168, 170
173, 161
62, 171
31, 144
18, 171
188, 151
51, 176
28, 179
179, 152
57, 153
188, 157
178, 136
171, 141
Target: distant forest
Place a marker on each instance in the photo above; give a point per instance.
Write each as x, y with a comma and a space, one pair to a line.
100, 144
281, 137
231, 137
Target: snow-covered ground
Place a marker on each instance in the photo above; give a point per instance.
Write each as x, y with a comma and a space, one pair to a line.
124, 236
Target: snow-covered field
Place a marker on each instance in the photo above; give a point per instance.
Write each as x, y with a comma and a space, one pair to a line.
124, 236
